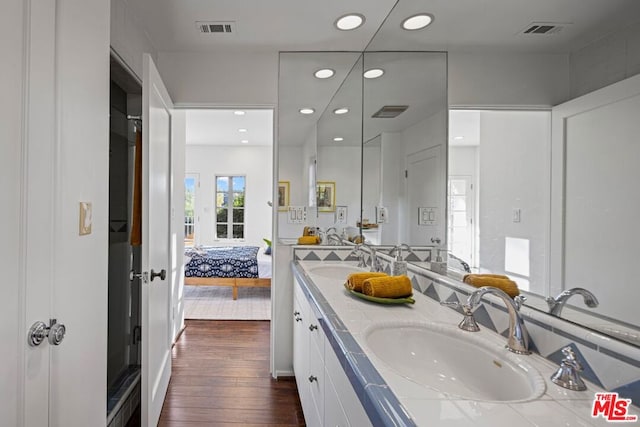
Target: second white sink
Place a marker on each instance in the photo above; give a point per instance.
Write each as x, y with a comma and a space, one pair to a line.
454, 362
334, 270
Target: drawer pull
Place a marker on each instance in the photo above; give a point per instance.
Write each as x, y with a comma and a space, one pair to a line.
313, 378
298, 319
296, 313
313, 327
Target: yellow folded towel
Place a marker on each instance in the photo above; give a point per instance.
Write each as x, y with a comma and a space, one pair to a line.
308, 240
388, 287
497, 281
355, 280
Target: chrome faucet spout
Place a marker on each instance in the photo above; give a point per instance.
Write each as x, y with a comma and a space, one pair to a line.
518, 334
557, 304
375, 263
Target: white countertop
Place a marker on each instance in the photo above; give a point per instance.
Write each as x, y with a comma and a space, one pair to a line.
427, 406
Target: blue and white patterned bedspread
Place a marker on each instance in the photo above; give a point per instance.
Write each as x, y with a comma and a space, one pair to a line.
232, 261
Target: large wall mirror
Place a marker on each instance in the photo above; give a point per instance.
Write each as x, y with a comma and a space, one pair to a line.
478, 133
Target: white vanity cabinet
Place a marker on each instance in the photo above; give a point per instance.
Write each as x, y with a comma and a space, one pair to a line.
323, 386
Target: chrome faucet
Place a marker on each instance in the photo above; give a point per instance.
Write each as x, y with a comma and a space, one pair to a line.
359, 250
518, 335
557, 304
333, 237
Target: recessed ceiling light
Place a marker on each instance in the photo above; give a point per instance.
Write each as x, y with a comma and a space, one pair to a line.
307, 111
245, 141
417, 22
373, 73
324, 73
242, 130
338, 139
343, 110
239, 113
349, 22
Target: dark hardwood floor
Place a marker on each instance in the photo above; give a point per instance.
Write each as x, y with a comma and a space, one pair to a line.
221, 377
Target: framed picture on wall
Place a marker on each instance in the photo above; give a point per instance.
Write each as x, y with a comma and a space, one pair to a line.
326, 196
283, 195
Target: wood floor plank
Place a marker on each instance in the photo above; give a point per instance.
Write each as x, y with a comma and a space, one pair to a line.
220, 377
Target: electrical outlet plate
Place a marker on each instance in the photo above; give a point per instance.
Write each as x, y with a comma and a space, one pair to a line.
341, 215
382, 215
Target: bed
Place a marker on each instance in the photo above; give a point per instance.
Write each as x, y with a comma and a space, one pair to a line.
234, 266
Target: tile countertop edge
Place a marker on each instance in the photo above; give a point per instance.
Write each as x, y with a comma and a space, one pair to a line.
362, 375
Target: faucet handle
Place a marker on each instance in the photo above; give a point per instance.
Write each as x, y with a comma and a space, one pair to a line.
568, 375
468, 322
519, 300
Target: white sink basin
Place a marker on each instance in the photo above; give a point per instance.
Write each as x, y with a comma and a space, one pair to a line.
334, 271
454, 362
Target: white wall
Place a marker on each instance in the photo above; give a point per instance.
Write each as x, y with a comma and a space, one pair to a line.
507, 79
251, 161
514, 173
342, 166
225, 79
392, 186
606, 61
371, 178
178, 160
128, 38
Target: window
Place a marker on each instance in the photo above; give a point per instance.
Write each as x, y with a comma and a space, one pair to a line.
190, 184
230, 194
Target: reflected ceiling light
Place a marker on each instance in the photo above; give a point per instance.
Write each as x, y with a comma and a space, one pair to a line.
239, 113
458, 138
373, 73
242, 130
307, 111
349, 22
417, 22
324, 73
342, 110
245, 141
338, 139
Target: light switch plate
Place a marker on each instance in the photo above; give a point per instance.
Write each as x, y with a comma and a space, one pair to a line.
516, 214
85, 218
297, 215
427, 216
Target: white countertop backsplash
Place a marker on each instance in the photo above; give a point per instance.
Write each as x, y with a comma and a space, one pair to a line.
557, 407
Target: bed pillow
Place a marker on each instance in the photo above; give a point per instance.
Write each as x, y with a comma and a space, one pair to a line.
268, 250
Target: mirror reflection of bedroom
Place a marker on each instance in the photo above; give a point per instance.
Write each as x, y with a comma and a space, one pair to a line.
227, 224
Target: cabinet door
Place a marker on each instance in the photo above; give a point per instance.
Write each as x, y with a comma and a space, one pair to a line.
300, 351
334, 414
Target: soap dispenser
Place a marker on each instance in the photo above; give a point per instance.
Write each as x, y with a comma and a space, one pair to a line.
398, 264
439, 265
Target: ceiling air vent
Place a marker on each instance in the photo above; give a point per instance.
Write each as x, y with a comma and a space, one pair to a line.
544, 28
390, 111
216, 27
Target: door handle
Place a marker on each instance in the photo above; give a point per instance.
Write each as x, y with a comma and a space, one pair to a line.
435, 240
162, 274
39, 331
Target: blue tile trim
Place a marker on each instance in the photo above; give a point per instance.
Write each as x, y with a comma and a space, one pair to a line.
379, 402
574, 338
621, 357
630, 391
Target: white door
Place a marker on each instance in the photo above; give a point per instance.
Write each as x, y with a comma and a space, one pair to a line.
156, 301
460, 222
425, 215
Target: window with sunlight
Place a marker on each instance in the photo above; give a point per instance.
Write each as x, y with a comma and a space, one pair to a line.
230, 196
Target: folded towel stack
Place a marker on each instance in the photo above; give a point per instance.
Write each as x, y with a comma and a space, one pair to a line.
308, 240
355, 280
388, 287
496, 280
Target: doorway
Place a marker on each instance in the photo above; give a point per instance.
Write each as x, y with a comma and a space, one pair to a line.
123, 344
228, 190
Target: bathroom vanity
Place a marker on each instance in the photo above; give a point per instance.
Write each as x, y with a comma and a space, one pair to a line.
359, 363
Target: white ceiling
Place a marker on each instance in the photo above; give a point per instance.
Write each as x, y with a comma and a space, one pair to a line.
281, 25
295, 25
220, 127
